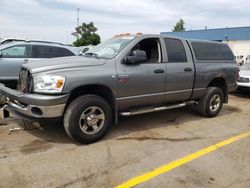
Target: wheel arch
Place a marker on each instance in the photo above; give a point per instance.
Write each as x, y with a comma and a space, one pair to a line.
99, 90
221, 83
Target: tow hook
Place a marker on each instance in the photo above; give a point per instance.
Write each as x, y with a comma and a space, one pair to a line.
2, 101
6, 113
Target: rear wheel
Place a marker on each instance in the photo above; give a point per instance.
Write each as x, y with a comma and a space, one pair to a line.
88, 118
212, 102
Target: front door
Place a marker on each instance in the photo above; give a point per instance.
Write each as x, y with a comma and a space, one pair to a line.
142, 84
11, 60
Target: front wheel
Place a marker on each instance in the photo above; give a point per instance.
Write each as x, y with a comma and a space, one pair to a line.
87, 119
212, 102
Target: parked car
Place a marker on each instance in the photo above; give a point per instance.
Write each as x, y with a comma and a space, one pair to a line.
14, 54
248, 59
126, 75
243, 81
85, 49
242, 59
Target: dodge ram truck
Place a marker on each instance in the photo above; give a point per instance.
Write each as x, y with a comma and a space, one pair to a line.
124, 76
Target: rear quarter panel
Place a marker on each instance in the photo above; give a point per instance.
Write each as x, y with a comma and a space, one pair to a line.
207, 71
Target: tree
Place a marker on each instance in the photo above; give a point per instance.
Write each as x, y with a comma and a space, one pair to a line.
86, 35
179, 26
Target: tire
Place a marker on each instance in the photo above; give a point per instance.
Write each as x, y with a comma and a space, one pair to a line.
87, 119
211, 103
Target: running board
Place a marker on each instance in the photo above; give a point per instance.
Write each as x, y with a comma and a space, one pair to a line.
157, 109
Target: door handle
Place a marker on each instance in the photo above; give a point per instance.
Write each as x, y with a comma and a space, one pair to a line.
188, 69
159, 71
26, 60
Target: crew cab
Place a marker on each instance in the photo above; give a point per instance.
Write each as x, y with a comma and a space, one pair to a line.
124, 76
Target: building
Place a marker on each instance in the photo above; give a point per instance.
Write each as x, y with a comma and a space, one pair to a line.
238, 38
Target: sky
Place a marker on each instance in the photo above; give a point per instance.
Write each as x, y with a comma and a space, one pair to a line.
55, 20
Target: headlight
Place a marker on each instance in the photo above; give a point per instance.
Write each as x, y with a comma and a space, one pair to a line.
48, 83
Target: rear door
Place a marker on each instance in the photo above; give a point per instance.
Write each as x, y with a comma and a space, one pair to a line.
11, 60
43, 51
180, 70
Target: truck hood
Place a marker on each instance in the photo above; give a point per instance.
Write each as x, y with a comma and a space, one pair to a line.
62, 63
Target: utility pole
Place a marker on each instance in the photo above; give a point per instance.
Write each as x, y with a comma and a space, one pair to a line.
78, 10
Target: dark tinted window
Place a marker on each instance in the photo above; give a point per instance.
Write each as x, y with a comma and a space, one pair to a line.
212, 51
61, 52
45, 52
19, 51
175, 50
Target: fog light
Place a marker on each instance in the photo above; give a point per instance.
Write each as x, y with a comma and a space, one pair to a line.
36, 111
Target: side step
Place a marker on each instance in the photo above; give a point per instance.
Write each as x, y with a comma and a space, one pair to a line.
157, 109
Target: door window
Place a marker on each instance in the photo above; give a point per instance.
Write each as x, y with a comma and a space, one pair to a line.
20, 51
61, 52
45, 52
175, 50
152, 48
213, 51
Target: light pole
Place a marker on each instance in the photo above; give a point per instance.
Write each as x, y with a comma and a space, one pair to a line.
77, 19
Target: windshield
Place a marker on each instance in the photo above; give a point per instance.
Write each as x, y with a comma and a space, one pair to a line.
245, 66
110, 48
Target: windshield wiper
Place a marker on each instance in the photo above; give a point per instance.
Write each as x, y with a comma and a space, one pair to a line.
92, 55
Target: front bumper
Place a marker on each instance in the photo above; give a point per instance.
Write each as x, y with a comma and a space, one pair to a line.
34, 105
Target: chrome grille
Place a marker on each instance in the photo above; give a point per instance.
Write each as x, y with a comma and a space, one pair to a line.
24, 80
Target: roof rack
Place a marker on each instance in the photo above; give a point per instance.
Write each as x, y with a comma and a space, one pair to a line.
47, 42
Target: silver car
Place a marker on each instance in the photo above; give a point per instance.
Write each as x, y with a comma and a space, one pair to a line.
14, 54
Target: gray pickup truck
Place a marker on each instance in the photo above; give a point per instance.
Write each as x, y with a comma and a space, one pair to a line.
126, 75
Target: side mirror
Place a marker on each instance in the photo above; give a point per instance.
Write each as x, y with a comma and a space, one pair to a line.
0, 53
137, 56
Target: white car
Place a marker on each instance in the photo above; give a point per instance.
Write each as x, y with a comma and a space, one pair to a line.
84, 49
248, 59
244, 77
